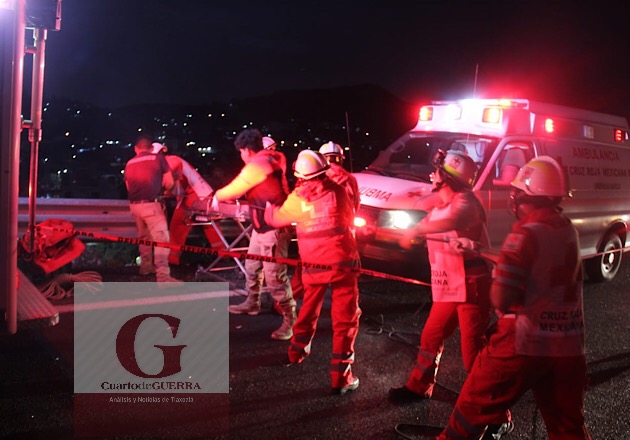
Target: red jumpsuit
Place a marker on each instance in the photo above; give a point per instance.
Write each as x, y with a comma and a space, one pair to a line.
192, 187
324, 217
342, 177
540, 344
460, 287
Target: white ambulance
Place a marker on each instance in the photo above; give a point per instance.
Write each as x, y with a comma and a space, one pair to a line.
501, 135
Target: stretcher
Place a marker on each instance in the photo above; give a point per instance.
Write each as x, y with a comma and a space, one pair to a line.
228, 216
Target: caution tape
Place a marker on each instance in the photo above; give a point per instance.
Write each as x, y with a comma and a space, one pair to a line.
225, 253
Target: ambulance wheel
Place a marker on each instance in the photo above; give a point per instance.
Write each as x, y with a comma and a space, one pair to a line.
605, 266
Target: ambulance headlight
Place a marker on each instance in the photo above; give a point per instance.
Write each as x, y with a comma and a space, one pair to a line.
400, 219
360, 222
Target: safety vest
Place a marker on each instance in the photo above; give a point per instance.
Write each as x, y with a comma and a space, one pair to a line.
272, 189
448, 276
325, 239
341, 177
551, 321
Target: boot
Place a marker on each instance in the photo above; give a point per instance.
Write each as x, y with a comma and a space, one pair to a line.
285, 332
251, 306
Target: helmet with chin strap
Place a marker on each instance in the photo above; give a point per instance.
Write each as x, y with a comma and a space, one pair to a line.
457, 166
331, 148
540, 182
309, 164
541, 176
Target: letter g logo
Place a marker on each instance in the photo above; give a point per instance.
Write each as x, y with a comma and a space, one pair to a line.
126, 354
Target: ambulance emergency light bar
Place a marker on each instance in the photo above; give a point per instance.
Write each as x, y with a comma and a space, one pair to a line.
490, 117
475, 116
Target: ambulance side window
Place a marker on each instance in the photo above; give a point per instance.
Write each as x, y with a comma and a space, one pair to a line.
513, 157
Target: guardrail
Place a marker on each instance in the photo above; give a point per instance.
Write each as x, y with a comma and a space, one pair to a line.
105, 216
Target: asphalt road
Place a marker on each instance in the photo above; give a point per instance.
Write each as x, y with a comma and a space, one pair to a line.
270, 401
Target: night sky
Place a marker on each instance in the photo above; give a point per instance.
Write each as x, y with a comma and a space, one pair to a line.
117, 52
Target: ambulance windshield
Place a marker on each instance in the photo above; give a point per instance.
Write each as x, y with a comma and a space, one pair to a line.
411, 155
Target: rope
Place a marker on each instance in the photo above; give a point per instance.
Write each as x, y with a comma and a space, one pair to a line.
55, 290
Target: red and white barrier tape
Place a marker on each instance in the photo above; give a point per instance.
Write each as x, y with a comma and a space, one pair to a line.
225, 253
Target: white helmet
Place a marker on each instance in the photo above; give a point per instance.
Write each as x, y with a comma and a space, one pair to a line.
269, 143
156, 147
309, 164
460, 167
541, 176
331, 148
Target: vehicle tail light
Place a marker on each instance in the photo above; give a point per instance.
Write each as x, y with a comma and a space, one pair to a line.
620, 135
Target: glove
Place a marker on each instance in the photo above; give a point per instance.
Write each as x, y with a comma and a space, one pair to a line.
214, 205
462, 244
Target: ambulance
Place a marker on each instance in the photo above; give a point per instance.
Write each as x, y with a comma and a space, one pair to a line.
501, 135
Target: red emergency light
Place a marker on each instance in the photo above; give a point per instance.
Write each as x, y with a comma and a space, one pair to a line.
620, 135
426, 113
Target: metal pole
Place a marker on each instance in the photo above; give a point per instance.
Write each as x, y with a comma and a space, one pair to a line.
348, 134
35, 126
12, 75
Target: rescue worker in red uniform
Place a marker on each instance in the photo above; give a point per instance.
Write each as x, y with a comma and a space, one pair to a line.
262, 180
539, 339
270, 144
145, 175
189, 187
459, 283
338, 174
324, 216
